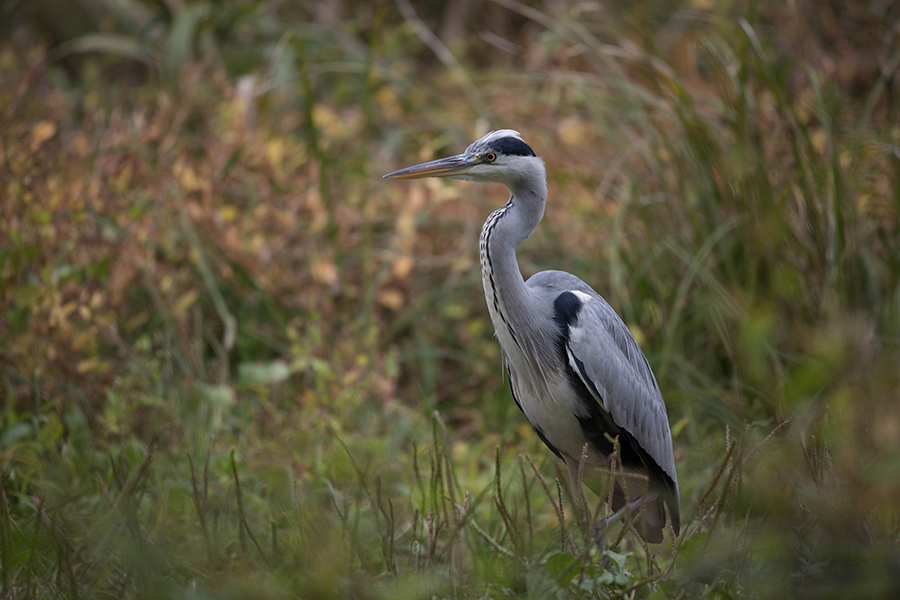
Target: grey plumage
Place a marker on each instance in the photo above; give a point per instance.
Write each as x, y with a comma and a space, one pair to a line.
574, 368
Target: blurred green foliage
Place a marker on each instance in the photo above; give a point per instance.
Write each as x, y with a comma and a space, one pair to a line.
224, 336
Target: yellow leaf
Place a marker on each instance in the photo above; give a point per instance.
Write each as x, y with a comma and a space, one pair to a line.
137, 321
390, 103
637, 333
90, 364
572, 131
402, 267
228, 213
328, 121
42, 132
462, 263
67, 309
391, 298
679, 425
8, 59
845, 159
186, 176
186, 301
275, 151
85, 340
459, 451
121, 181
324, 271
819, 140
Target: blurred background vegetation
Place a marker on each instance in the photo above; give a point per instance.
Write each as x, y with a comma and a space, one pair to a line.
224, 337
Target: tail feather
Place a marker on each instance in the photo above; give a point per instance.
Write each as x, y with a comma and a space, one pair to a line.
649, 518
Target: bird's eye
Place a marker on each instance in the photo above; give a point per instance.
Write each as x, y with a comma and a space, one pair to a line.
490, 157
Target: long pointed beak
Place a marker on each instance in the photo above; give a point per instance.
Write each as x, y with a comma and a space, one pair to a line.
442, 167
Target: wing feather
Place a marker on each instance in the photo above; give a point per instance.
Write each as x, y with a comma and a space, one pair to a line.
612, 366
604, 355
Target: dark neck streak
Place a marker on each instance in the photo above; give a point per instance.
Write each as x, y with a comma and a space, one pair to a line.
488, 250
509, 300
504, 286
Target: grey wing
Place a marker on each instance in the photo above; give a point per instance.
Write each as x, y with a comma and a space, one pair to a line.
606, 355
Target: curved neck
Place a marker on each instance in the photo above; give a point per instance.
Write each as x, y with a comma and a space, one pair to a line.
513, 223
507, 227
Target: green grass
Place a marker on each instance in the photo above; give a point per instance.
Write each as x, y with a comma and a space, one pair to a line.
236, 363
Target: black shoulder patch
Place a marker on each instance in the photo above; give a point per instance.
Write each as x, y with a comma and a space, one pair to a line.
512, 145
565, 311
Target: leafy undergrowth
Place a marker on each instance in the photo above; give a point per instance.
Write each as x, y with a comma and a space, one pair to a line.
225, 337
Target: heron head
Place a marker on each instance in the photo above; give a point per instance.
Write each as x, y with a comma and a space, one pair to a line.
500, 156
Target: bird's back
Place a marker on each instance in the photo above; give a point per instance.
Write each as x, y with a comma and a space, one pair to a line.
614, 369
548, 285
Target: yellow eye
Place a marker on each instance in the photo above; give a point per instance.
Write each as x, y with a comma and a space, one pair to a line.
490, 157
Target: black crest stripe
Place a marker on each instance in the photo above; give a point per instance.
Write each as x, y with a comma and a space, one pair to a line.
512, 145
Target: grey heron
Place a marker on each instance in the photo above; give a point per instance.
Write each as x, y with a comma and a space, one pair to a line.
573, 366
